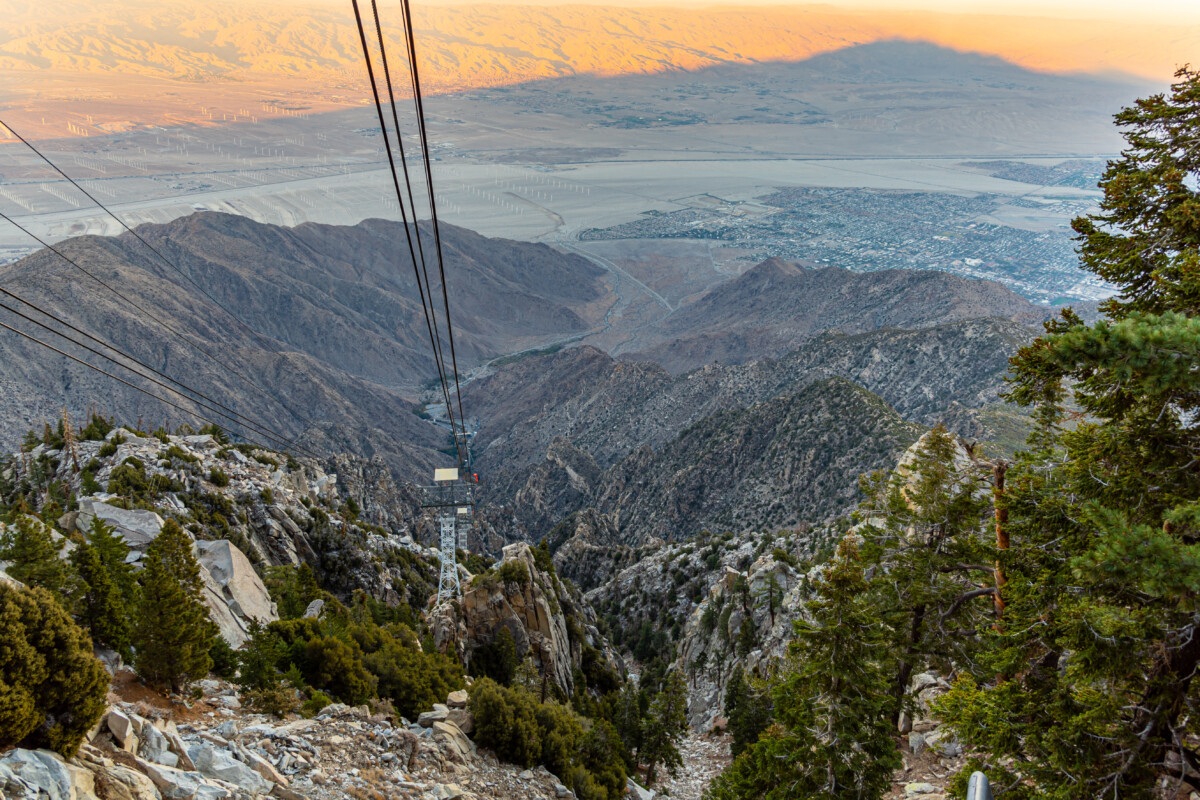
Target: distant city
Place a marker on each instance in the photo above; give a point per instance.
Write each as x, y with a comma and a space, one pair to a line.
977, 235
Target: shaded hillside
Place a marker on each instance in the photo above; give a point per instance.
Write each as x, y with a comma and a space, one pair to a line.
333, 344
777, 464
788, 461
609, 408
570, 430
772, 308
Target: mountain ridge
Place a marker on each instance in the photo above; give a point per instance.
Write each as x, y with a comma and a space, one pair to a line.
776, 305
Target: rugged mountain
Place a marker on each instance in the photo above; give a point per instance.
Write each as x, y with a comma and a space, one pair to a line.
567, 431
773, 307
331, 343
552, 626
781, 463
790, 460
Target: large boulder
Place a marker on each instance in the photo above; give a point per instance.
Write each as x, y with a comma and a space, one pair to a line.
122, 728
129, 784
177, 784
156, 748
137, 528
43, 775
220, 765
234, 593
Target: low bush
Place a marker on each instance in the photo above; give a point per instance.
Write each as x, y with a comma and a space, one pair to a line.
521, 730
514, 573
52, 689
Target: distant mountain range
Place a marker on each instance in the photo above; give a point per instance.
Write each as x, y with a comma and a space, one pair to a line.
773, 307
827, 373
333, 336
480, 45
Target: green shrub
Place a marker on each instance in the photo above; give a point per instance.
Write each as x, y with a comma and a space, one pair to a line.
52, 689
313, 705
784, 556
129, 480
88, 485
96, 429
505, 721
514, 573
224, 659
219, 436
178, 453
411, 679
523, 731
336, 667
217, 477
497, 659
279, 700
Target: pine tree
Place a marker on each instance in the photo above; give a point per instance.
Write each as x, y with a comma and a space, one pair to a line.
33, 555
172, 632
747, 711
833, 737
112, 551
99, 606
926, 535
664, 728
770, 594
1090, 683
627, 718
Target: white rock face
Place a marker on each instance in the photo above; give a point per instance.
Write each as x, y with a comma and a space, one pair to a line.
137, 528
234, 593
220, 765
41, 774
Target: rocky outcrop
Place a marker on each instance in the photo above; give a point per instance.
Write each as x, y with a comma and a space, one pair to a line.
588, 549
709, 646
137, 528
549, 623
233, 592
244, 506
141, 752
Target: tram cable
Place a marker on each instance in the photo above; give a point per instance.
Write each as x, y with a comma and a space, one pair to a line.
205, 402
430, 319
105, 372
418, 102
267, 345
412, 203
224, 365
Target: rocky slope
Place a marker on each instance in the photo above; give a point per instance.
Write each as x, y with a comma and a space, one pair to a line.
787, 461
334, 344
244, 506
772, 308
150, 749
250, 508
550, 622
781, 463
579, 429
609, 408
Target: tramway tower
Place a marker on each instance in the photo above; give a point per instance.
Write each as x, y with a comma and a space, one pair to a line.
453, 496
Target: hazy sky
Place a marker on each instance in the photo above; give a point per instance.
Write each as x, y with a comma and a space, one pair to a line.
1171, 11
